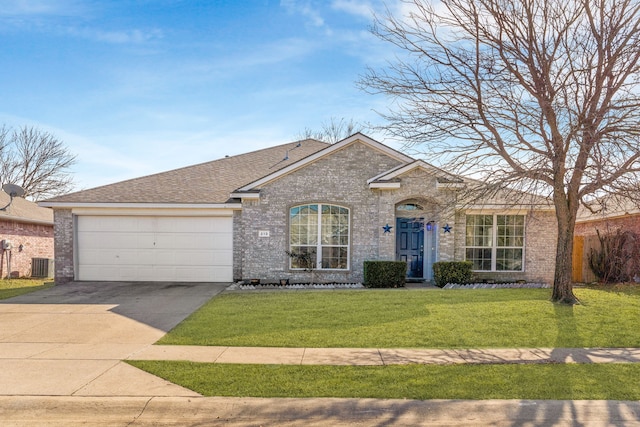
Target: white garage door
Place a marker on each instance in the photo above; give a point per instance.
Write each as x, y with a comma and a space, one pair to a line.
144, 248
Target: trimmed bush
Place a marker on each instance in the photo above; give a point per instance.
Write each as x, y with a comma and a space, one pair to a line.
384, 274
458, 272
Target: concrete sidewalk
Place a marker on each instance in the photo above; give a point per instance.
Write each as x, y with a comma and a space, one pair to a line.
383, 356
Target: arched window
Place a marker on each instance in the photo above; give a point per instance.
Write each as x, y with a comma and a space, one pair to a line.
319, 237
409, 207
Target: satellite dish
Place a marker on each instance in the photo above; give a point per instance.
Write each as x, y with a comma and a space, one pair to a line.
12, 190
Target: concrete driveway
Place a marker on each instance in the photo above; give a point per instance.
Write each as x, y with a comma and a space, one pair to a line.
69, 340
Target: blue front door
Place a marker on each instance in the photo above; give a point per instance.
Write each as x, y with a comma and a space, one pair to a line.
410, 245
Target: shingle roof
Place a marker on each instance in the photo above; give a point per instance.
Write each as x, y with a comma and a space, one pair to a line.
205, 183
22, 210
609, 206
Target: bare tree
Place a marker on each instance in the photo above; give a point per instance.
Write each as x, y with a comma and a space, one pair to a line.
542, 93
35, 160
333, 131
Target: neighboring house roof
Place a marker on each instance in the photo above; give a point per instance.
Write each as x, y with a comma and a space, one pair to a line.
205, 183
611, 206
21, 210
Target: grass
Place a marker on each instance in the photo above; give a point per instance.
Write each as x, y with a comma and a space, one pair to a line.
497, 318
547, 381
494, 318
13, 287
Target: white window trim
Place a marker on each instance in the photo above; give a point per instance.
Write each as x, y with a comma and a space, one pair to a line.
319, 244
494, 242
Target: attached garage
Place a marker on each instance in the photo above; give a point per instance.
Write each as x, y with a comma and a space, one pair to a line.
154, 248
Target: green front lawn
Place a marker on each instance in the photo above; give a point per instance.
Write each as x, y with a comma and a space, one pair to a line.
13, 287
497, 318
562, 382
494, 318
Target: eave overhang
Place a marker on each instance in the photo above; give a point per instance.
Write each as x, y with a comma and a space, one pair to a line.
72, 205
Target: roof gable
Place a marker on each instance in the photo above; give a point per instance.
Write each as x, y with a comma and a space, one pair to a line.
356, 138
390, 179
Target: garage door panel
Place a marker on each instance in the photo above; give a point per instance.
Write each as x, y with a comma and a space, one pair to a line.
155, 248
202, 224
222, 258
192, 240
116, 240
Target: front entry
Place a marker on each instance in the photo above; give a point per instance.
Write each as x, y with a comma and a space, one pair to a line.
410, 245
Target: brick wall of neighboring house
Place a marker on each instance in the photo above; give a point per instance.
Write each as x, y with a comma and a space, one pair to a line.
28, 241
630, 222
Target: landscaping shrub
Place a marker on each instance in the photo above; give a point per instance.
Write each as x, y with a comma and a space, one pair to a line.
384, 274
458, 272
618, 259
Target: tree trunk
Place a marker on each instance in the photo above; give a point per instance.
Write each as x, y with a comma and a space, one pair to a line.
562, 284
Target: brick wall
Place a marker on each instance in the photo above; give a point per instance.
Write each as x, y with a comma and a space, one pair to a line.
63, 219
36, 241
628, 222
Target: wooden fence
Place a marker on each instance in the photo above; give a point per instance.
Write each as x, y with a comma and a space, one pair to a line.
582, 246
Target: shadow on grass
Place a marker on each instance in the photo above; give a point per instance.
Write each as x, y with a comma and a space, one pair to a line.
567, 335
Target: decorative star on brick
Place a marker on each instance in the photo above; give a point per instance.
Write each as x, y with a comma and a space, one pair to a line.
447, 228
387, 228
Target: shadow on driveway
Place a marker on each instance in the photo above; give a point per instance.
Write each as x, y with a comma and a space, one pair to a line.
161, 305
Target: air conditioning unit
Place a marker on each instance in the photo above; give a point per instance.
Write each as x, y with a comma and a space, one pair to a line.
42, 267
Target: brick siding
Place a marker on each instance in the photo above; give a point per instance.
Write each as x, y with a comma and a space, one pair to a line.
63, 219
36, 241
626, 223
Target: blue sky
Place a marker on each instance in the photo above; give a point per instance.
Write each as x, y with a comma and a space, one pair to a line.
142, 86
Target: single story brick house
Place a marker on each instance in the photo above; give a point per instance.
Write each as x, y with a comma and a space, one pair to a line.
237, 218
26, 238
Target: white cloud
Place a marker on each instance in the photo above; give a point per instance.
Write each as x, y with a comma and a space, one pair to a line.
40, 7
133, 36
359, 8
305, 8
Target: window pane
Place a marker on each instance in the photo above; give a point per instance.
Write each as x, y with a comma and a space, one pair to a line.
509, 260
479, 230
334, 257
335, 225
303, 257
303, 225
510, 230
481, 258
